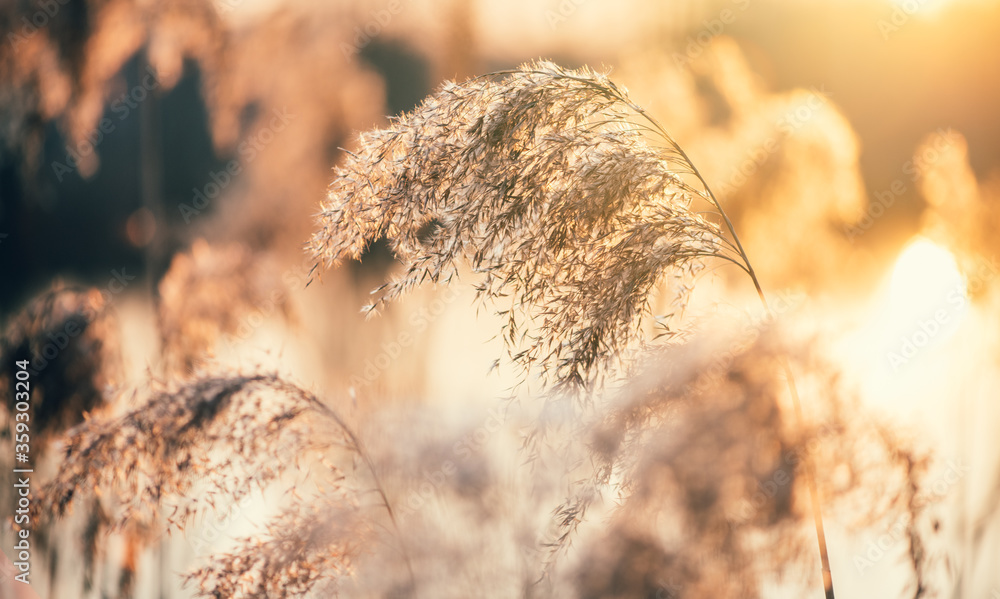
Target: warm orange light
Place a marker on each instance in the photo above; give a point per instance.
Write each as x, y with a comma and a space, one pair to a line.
904, 347
921, 8
925, 280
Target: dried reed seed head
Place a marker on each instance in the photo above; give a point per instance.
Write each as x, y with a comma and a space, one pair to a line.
205, 444
306, 545
210, 292
70, 339
188, 448
544, 182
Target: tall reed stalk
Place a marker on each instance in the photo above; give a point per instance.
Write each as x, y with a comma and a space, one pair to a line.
810, 474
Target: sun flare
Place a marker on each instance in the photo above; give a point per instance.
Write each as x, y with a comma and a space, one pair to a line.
916, 316
925, 280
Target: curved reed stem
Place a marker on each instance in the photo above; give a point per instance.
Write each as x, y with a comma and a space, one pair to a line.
609, 88
814, 497
810, 473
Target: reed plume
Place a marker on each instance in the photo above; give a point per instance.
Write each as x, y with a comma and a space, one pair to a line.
305, 547
543, 181
208, 293
163, 449
70, 337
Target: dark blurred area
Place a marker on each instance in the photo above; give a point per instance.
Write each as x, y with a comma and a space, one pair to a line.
120, 192
61, 223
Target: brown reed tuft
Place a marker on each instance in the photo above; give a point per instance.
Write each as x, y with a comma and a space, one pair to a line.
305, 547
542, 179
196, 446
71, 339
544, 182
209, 292
215, 430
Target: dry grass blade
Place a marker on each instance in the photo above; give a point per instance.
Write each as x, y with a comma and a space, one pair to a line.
70, 337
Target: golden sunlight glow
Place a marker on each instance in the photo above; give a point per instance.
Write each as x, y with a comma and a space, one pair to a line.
926, 302
926, 279
908, 336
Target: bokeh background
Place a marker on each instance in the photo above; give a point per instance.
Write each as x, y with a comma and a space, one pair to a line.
161, 164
